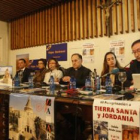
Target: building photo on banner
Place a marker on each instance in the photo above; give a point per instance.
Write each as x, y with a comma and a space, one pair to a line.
33, 118
116, 120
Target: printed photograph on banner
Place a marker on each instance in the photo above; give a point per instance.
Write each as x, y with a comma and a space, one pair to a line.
57, 51
6, 76
22, 56
100, 130
88, 53
32, 119
120, 119
118, 47
130, 132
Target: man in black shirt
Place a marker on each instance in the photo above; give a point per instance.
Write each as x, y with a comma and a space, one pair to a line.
77, 70
135, 64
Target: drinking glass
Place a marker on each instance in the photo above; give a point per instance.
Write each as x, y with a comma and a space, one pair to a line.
122, 79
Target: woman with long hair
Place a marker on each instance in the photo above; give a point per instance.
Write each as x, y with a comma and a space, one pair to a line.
110, 62
53, 69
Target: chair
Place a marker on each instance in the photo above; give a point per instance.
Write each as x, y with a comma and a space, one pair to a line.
63, 70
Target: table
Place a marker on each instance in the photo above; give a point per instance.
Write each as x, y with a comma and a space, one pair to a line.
73, 115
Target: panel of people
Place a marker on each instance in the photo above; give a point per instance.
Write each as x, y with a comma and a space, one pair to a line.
79, 71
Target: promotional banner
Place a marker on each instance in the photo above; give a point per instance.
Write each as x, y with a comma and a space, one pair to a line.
116, 120
118, 48
57, 51
33, 64
88, 53
31, 117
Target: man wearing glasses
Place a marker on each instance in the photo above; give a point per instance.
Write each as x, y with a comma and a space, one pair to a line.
135, 64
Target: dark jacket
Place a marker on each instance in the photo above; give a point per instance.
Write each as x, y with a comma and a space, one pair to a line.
134, 68
26, 74
39, 76
80, 75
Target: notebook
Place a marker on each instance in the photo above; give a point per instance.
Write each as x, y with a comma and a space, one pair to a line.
136, 80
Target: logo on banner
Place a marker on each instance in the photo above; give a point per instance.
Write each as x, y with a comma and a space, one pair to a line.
57, 51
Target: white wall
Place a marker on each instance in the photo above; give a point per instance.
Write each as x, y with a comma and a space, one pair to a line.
4, 50
101, 47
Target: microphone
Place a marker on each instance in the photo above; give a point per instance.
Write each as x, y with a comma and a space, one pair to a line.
114, 71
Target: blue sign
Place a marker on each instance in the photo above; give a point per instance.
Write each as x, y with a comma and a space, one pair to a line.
57, 51
33, 64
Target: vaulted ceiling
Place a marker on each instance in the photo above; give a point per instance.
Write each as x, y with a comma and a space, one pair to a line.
13, 9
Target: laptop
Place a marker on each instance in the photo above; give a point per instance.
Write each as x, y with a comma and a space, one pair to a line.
136, 80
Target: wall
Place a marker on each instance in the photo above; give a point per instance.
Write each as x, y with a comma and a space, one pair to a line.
101, 47
4, 50
75, 20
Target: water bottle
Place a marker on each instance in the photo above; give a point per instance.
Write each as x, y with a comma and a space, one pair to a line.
88, 84
97, 84
30, 80
108, 85
16, 81
72, 83
52, 85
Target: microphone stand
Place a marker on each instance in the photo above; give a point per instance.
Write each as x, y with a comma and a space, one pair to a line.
127, 64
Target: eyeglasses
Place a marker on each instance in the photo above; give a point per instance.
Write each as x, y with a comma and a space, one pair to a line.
136, 51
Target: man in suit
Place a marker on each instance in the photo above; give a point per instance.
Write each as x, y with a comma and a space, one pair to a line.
135, 64
23, 72
77, 70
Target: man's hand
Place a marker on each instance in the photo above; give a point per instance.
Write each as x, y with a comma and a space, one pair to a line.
66, 79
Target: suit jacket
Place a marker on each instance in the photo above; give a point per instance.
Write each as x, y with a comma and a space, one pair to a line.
26, 74
134, 68
80, 75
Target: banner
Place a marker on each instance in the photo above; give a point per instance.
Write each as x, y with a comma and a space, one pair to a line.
57, 51
33, 64
31, 117
118, 48
88, 53
116, 120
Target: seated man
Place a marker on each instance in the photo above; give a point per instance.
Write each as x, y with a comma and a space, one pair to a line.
23, 71
135, 64
77, 70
